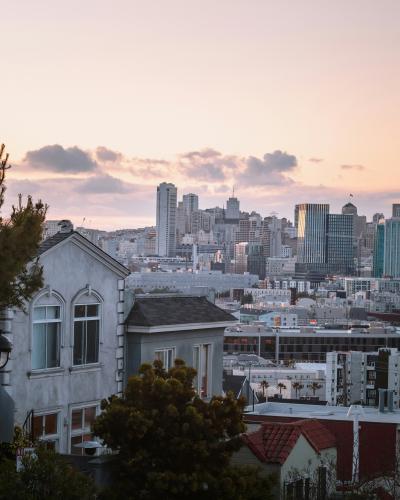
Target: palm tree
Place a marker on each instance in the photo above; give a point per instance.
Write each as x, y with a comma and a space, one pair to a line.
281, 386
297, 386
314, 386
264, 386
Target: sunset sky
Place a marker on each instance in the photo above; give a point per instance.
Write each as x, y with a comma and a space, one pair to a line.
288, 101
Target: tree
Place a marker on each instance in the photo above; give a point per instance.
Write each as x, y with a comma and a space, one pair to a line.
48, 476
281, 386
20, 236
314, 386
297, 386
173, 445
264, 386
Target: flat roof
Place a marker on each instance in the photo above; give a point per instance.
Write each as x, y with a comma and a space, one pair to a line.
322, 412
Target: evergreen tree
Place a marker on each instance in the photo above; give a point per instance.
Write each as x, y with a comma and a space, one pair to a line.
173, 445
20, 236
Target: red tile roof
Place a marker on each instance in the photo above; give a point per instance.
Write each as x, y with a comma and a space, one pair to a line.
274, 441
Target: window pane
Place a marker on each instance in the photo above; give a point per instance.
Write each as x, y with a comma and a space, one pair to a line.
39, 346
78, 342
53, 312
170, 355
76, 419
80, 311
90, 415
52, 345
92, 341
39, 313
204, 371
50, 424
37, 426
92, 310
196, 366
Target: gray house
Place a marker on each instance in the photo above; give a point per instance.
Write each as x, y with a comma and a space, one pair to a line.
68, 346
190, 328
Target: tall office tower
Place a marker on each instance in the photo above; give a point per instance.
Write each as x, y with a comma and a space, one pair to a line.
232, 209
349, 209
275, 226
256, 262
339, 244
377, 217
243, 231
391, 259
241, 252
311, 232
265, 237
181, 227
379, 250
190, 203
396, 210
166, 220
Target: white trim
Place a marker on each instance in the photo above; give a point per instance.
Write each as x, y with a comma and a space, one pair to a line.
163, 350
199, 371
179, 327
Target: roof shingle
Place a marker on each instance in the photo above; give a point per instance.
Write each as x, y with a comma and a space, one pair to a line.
274, 441
155, 310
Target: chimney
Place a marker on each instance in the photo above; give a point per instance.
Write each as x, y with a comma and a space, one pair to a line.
66, 226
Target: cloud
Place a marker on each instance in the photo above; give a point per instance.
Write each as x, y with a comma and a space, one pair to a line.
268, 171
352, 167
105, 184
107, 155
202, 154
58, 159
316, 160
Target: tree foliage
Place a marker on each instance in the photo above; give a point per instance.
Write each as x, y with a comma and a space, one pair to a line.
20, 236
48, 476
173, 445
246, 299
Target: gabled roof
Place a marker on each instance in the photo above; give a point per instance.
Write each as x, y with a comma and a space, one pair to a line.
274, 441
233, 383
83, 242
161, 310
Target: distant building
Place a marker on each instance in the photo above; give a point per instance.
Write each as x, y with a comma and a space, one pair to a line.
232, 211
190, 203
311, 232
396, 210
356, 377
391, 262
379, 250
340, 247
166, 220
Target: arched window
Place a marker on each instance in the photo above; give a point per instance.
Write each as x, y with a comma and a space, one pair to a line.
86, 323
47, 313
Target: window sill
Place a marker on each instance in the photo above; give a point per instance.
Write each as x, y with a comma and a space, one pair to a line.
93, 367
46, 372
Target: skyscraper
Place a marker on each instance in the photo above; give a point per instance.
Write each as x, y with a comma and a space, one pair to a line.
232, 209
190, 203
391, 260
339, 243
379, 250
396, 210
311, 232
166, 220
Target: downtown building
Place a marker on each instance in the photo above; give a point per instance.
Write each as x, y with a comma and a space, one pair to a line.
386, 261
166, 220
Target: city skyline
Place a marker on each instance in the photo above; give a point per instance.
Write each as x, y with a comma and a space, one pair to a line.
234, 83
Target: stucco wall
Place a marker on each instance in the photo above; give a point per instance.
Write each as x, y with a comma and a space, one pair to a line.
68, 270
141, 349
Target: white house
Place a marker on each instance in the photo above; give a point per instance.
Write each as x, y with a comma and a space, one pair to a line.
68, 345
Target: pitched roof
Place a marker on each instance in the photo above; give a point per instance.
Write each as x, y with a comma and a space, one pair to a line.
274, 441
59, 237
53, 241
233, 383
161, 310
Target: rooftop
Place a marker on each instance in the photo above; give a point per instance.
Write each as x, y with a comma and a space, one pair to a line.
160, 310
274, 441
301, 411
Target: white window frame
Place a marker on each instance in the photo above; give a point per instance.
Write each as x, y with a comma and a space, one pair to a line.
164, 356
47, 321
199, 376
85, 319
49, 437
83, 430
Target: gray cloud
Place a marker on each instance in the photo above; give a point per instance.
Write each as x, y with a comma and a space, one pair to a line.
268, 171
316, 160
202, 154
352, 167
105, 184
58, 159
105, 154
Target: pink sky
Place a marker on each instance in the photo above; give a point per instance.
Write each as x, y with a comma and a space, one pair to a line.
232, 80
